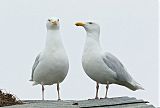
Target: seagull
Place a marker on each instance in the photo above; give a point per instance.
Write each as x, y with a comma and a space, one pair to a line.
100, 66
51, 65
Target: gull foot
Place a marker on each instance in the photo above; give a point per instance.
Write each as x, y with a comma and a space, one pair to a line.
104, 98
94, 98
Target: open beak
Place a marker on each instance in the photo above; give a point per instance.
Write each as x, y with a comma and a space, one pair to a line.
79, 24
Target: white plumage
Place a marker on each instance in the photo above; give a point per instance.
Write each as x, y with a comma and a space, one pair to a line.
51, 65
100, 66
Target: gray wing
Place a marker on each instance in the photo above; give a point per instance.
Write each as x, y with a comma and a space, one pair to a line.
115, 65
35, 65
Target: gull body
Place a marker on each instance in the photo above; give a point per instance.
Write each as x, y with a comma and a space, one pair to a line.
93, 63
51, 65
100, 66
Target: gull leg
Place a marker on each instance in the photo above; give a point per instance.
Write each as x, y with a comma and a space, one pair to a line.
58, 91
107, 86
42, 92
97, 88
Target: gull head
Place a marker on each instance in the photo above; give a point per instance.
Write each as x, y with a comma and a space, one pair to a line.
90, 27
52, 24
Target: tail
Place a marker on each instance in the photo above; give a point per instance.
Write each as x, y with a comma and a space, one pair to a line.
137, 86
133, 86
31, 80
34, 83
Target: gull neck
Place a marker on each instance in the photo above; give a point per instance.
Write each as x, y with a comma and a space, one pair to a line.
53, 41
93, 35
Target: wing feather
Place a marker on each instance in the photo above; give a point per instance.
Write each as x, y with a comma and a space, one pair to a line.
115, 65
35, 65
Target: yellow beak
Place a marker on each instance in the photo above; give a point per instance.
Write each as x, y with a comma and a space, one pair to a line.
54, 22
79, 24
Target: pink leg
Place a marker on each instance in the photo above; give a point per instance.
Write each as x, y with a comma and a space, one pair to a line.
42, 92
107, 86
97, 88
58, 91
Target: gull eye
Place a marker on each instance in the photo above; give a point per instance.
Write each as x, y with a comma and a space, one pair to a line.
57, 19
90, 22
49, 20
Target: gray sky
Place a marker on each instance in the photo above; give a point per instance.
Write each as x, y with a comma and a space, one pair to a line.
129, 30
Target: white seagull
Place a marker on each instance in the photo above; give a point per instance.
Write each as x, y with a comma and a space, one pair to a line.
103, 67
51, 65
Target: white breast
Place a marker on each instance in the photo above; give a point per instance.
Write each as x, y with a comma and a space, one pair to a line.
53, 63
94, 65
53, 68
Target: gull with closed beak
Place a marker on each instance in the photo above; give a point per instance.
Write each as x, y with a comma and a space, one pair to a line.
51, 65
100, 66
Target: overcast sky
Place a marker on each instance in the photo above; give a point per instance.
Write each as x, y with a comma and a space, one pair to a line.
129, 30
